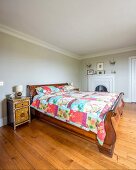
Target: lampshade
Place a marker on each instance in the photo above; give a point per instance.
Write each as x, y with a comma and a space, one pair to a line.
19, 88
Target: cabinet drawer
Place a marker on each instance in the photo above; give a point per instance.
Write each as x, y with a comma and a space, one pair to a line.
21, 104
21, 115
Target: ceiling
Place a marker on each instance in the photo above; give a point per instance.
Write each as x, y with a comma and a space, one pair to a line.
80, 27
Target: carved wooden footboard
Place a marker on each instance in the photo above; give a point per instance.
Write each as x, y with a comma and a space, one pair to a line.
111, 121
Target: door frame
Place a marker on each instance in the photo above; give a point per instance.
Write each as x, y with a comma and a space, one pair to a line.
130, 77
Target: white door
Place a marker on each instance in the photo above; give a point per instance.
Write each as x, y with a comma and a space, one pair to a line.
133, 79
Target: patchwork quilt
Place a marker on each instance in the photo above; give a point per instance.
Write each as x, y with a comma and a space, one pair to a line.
86, 110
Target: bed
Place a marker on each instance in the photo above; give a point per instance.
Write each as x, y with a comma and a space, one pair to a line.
91, 115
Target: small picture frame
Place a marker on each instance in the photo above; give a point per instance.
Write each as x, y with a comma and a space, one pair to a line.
100, 71
99, 66
90, 72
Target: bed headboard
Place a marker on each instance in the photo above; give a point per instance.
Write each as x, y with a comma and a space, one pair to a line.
31, 89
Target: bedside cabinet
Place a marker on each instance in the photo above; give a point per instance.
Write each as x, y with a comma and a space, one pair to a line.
18, 111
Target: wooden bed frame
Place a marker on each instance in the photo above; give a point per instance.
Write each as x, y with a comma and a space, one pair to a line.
111, 122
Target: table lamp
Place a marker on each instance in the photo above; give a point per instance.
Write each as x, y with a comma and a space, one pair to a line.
19, 90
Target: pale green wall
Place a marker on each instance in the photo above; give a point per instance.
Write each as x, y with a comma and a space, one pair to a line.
25, 63
121, 67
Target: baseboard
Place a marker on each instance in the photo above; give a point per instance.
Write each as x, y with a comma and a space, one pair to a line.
3, 121
127, 100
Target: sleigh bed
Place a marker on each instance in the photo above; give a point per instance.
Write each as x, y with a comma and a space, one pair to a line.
110, 118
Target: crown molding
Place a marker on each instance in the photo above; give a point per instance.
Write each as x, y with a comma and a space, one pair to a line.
44, 44
116, 51
36, 41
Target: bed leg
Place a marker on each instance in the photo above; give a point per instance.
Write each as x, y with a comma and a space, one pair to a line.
32, 111
106, 150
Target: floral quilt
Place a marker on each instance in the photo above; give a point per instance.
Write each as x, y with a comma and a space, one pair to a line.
86, 110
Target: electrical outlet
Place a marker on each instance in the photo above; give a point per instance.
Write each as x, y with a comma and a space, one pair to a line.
1, 83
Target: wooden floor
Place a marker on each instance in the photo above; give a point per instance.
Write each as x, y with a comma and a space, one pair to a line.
42, 146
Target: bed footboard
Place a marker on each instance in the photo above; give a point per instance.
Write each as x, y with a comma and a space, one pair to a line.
111, 123
110, 139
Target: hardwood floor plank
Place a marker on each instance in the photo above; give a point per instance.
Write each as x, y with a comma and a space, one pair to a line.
35, 159
83, 147
43, 146
14, 159
6, 161
58, 149
70, 145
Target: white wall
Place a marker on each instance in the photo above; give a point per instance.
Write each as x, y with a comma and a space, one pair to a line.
24, 63
121, 67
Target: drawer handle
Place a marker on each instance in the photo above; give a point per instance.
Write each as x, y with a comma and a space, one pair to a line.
22, 115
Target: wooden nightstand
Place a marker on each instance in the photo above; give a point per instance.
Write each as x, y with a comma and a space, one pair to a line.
18, 111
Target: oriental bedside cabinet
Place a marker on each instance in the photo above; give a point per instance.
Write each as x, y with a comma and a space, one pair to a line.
18, 111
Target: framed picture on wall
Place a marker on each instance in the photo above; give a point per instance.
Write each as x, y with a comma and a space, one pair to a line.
90, 72
99, 66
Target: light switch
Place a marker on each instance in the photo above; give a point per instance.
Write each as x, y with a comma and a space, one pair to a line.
1, 83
